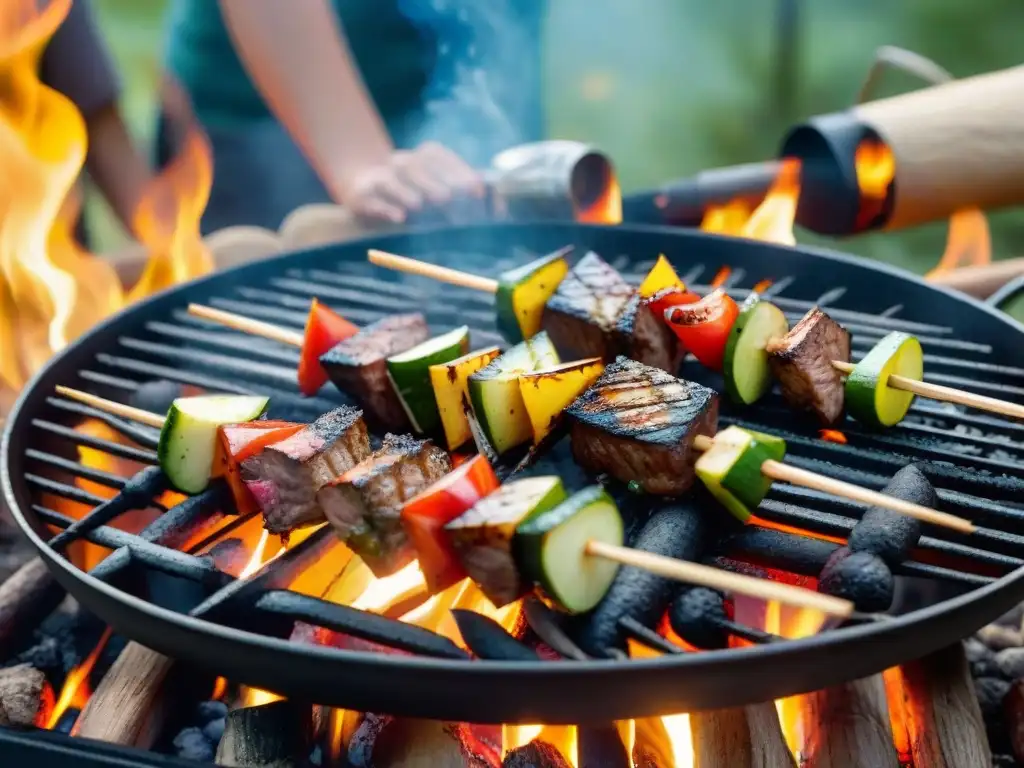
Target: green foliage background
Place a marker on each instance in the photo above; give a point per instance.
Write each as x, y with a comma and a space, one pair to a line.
670, 87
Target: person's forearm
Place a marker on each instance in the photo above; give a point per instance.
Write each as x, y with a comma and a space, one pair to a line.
296, 54
115, 164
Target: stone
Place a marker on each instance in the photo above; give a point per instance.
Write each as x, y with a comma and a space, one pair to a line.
999, 638
981, 659
191, 744
1011, 663
212, 710
214, 730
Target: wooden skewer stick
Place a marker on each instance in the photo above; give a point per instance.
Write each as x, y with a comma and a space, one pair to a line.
946, 394
726, 581
433, 271
148, 418
776, 470
246, 324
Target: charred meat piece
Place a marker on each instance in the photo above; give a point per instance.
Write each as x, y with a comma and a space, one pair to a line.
364, 505
284, 477
637, 423
580, 318
358, 366
645, 337
802, 362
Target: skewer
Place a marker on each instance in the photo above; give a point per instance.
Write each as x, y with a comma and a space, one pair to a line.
692, 573
773, 469
246, 324
489, 285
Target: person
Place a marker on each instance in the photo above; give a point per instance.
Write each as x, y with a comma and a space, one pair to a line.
77, 63
383, 106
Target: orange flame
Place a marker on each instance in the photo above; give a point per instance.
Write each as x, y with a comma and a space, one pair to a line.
968, 244
607, 209
727, 219
832, 436
875, 166
720, 277
773, 220
76, 691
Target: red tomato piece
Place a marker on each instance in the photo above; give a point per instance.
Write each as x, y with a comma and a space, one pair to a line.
704, 326
425, 516
324, 329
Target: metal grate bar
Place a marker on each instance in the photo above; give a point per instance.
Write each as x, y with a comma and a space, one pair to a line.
238, 342
108, 479
220, 363
78, 438
70, 492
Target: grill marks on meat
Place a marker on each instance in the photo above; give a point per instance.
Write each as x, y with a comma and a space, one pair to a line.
358, 366
637, 423
364, 505
646, 337
581, 316
285, 476
802, 362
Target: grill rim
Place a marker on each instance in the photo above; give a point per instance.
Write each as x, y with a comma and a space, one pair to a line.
685, 682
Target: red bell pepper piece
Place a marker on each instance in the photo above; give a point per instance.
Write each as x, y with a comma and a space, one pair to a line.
235, 444
425, 516
671, 297
704, 326
324, 329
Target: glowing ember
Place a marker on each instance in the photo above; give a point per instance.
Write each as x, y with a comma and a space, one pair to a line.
76, 691
875, 166
220, 687
720, 277
832, 436
762, 286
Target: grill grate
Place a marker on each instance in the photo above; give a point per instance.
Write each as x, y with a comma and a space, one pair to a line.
975, 461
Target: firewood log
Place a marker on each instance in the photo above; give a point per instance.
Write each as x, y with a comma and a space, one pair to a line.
26, 598
848, 726
275, 735
742, 737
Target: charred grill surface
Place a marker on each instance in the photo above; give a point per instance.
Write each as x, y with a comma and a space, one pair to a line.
637, 423
364, 504
580, 318
646, 338
358, 366
802, 362
285, 477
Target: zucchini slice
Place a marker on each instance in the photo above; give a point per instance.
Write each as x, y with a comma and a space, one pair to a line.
868, 397
409, 372
747, 376
523, 293
495, 395
188, 439
731, 469
552, 543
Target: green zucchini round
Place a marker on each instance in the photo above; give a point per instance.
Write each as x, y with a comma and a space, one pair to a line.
868, 397
745, 366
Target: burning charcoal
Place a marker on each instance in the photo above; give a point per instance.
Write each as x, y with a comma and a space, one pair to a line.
211, 710
21, 695
888, 534
697, 616
802, 362
536, 754
646, 338
488, 639
1010, 663
191, 744
600, 746
981, 658
214, 730
285, 476
358, 366
999, 638
364, 504
580, 318
677, 531
638, 423
279, 733
860, 577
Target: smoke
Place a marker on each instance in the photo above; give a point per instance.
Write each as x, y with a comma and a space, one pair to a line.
485, 91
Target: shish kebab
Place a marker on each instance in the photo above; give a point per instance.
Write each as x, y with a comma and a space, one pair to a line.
508, 538
527, 389
593, 307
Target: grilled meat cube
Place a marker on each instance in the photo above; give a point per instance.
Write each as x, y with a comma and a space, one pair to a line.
646, 337
581, 316
358, 366
802, 362
637, 423
364, 505
284, 477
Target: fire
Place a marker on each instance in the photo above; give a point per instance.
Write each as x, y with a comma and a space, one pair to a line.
727, 219
773, 220
875, 166
720, 277
680, 738
607, 209
968, 244
832, 436
51, 289
76, 691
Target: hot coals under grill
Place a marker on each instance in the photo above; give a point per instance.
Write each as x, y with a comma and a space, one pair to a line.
240, 627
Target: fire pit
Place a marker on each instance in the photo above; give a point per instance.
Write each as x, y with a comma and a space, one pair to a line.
239, 630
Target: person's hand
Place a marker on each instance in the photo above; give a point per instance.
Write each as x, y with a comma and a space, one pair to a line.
430, 175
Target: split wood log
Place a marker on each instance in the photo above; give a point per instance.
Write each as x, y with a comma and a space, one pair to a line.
21, 695
29, 595
1013, 706
127, 706
742, 737
944, 720
848, 726
600, 746
536, 754
381, 741
275, 735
